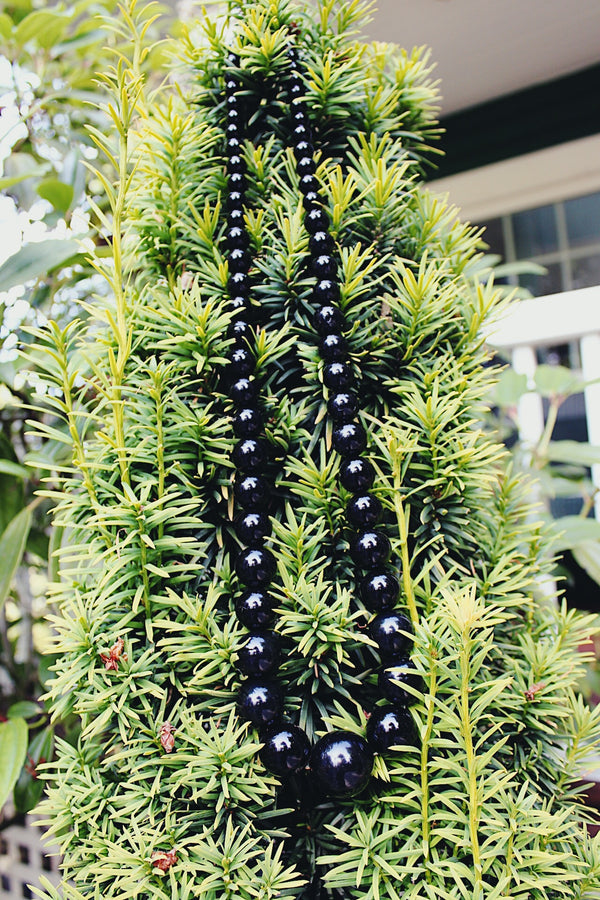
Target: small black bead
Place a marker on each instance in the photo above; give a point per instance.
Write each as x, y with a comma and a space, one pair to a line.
370, 549
248, 422
232, 85
297, 103
357, 475
233, 143
341, 762
324, 266
316, 220
380, 590
254, 609
306, 166
241, 363
232, 101
342, 407
260, 701
244, 392
239, 303
235, 200
364, 511
299, 116
329, 319
285, 751
255, 567
333, 348
259, 655
320, 242
388, 727
235, 165
392, 633
252, 492
393, 681
252, 528
241, 331
232, 59
235, 218
303, 148
296, 89
301, 132
326, 291
237, 181
238, 284
308, 184
311, 200
349, 439
239, 260
249, 455
338, 376
233, 114
236, 236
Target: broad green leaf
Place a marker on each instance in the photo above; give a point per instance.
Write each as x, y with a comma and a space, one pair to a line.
7, 467
29, 788
510, 388
19, 167
6, 25
34, 260
575, 530
23, 709
12, 546
43, 26
557, 380
587, 554
13, 752
574, 452
56, 192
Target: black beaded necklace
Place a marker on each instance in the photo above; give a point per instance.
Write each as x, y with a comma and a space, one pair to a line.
341, 761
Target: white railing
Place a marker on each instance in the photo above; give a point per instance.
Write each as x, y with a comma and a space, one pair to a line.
550, 320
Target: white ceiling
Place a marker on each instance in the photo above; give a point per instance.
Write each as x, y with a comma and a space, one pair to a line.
486, 48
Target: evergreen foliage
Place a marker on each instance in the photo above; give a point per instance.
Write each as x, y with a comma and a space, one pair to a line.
165, 794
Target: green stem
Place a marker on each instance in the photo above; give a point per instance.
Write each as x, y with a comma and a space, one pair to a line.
471, 761
544, 442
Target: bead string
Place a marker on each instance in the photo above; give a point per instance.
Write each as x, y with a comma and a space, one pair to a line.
340, 761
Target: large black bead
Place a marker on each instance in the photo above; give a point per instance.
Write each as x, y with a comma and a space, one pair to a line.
338, 376
241, 363
341, 763
238, 284
285, 751
392, 632
259, 655
316, 220
237, 181
236, 236
329, 319
255, 567
379, 590
320, 242
364, 511
326, 291
333, 348
241, 304
308, 185
248, 423
311, 200
239, 260
235, 217
393, 681
252, 528
252, 492
235, 200
349, 439
303, 149
305, 165
241, 331
254, 609
324, 266
357, 475
249, 455
260, 701
244, 392
342, 407
301, 132
388, 727
370, 549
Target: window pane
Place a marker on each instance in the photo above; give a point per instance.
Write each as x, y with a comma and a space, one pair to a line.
494, 237
583, 220
535, 231
586, 271
539, 285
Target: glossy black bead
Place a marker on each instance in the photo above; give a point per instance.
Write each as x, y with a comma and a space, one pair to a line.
333, 348
311, 200
237, 181
254, 609
244, 392
232, 59
233, 146
297, 103
238, 284
388, 727
260, 701
259, 655
235, 200
393, 681
303, 148
236, 236
255, 567
296, 90
249, 455
338, 376
324, 266
380, 590
326, 292
241, 304
252, 492
241, 331
342, 407
349, 439
252, 528
241, 363
231, 85
341, 763
316, 220
320, 242
306, 165
301, 132
364, 511
307, 184
392, 632
235, 166
357, 475
232, 101
300, 116
248, 422
286, 750
329, 319
239, 260
233, 114
370, 549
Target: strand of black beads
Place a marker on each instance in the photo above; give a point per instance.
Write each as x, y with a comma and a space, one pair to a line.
260, 699
342, 761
